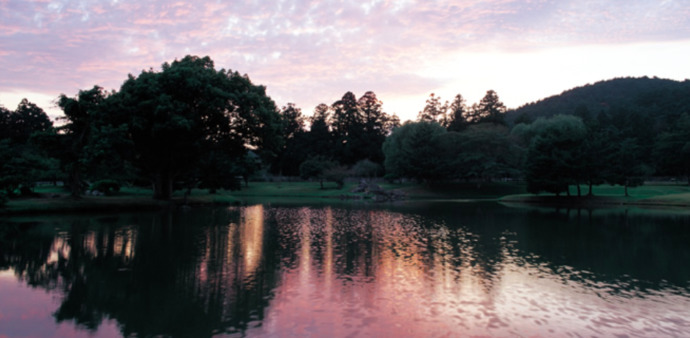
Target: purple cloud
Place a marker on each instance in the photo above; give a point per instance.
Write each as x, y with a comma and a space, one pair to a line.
305, 51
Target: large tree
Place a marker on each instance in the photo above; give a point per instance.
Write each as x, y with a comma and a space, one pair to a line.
377, 125
554, 156
347, 126
22, 162
71, 145
295, 148
27, 119
413, 151
189, 110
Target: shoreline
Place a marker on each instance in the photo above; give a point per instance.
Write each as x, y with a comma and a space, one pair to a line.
133, 199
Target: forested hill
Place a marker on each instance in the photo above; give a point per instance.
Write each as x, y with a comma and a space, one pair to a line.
661, 99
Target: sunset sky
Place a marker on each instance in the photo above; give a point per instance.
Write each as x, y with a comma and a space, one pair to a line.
308, 52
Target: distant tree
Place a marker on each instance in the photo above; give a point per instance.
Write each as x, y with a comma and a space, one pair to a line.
554, 156
347, 126
434, 111
4, 122
320, 140
346, 116
672, 149
595, 153
295, 147
489, 109
367, 168
486, 152
316, 168
523, 118
457, 111
413, 151
293, 121
377, 125
626, 167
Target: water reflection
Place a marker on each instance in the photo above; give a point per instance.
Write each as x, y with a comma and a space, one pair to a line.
418, 270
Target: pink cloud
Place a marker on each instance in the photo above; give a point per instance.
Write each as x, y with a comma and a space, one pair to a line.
296, 47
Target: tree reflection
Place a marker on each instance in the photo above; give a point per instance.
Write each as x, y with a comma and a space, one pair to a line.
211, 271
192, 274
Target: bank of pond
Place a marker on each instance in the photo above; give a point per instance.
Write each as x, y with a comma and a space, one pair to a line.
55, 199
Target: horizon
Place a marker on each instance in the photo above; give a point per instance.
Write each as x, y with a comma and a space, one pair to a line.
311, 52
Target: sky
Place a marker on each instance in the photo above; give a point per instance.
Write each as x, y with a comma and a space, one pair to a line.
313, 51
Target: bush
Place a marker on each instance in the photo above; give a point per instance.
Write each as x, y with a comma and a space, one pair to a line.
107, 187
337, 175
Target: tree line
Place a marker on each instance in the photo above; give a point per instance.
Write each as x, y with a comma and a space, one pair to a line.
190, 125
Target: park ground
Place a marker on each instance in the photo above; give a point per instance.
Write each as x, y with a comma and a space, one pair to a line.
51, 199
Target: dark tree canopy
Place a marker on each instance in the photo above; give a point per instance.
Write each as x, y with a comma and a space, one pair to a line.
27, 119
22, 162
190, 110
434, 110
457, 113
489, 109
295, 147
413, 151
81, 113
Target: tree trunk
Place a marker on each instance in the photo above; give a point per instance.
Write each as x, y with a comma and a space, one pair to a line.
626, 188
75, 181
163, 186
579, 192
590, 189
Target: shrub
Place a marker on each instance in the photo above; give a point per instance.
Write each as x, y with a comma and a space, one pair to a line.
107, 187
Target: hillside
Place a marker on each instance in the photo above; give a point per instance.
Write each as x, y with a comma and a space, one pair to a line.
662, 99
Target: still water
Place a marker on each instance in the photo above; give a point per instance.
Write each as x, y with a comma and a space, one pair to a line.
415, 269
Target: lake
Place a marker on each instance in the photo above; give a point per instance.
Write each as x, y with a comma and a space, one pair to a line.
414, 269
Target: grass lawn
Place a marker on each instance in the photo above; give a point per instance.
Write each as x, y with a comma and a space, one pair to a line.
652, 194
55, 199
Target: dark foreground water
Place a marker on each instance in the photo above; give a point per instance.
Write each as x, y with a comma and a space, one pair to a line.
426, 269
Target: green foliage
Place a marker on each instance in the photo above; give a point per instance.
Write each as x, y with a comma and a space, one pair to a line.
359, 128
71, 145
663, 100
554, 155
483, 151
367, 168
296, 144
413, 151
189, 111
336, 174
22, 162
27, 119
316, 168
672, 150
